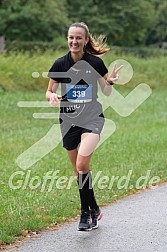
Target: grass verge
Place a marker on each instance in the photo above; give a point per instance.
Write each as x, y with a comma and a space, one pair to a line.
137, 146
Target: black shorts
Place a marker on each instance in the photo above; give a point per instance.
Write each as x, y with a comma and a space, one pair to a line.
71, 134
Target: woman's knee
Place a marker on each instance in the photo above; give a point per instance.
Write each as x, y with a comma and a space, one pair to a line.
82, 166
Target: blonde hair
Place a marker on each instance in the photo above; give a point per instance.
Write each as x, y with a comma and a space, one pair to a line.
95, 46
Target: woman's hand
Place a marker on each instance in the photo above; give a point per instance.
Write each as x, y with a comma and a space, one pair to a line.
54, 99
114, 75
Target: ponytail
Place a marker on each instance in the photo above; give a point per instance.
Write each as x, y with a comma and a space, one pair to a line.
95, 46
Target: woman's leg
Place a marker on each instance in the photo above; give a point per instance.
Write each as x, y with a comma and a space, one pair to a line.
89, 142
73, 157
80, 160
82, 163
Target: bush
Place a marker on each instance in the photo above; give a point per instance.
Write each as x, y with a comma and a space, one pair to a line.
143, 52
60, 43
31, 46
16, 69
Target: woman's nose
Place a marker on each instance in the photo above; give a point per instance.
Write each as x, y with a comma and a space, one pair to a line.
74, 40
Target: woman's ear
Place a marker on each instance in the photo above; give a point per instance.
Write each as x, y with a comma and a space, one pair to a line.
87, 40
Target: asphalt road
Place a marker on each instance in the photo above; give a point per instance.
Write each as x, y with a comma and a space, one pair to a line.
137, 223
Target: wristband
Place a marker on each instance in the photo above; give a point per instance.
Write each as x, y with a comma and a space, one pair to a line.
109, 83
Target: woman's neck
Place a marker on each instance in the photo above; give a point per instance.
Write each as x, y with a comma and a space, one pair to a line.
77, 56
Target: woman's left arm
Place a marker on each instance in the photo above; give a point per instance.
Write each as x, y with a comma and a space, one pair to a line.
105, 86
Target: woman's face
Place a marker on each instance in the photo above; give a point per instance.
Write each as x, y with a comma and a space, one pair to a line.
76, 39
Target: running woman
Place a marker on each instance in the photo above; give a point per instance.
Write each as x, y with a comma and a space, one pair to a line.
81, 115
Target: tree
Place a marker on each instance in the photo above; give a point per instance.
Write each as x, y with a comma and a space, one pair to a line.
33, 20
161, 27
125, 23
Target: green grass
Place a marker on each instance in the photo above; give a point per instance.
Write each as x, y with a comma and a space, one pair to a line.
139, 144
16, 69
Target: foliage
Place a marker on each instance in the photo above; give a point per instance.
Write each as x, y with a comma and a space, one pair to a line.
32, 20
118, 20
32, 46
16, 68
124, 23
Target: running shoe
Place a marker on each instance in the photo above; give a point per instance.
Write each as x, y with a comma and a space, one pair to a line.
96, 215
85, 223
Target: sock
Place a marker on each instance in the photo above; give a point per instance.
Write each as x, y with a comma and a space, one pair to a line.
92, 203
84, 183
86, 192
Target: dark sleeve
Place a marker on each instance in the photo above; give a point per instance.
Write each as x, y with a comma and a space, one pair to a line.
55, 68
99, 66
102, 69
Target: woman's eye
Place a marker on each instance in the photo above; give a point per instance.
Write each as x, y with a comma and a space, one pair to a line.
72, 38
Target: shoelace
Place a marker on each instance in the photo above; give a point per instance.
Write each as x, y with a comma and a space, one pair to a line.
85, 217
93, 214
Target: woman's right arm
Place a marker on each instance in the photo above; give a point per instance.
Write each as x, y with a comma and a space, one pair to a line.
51, 94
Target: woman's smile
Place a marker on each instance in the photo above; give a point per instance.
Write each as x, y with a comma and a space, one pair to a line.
76, 39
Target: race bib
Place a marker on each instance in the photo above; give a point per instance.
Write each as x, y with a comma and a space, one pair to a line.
79, 93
